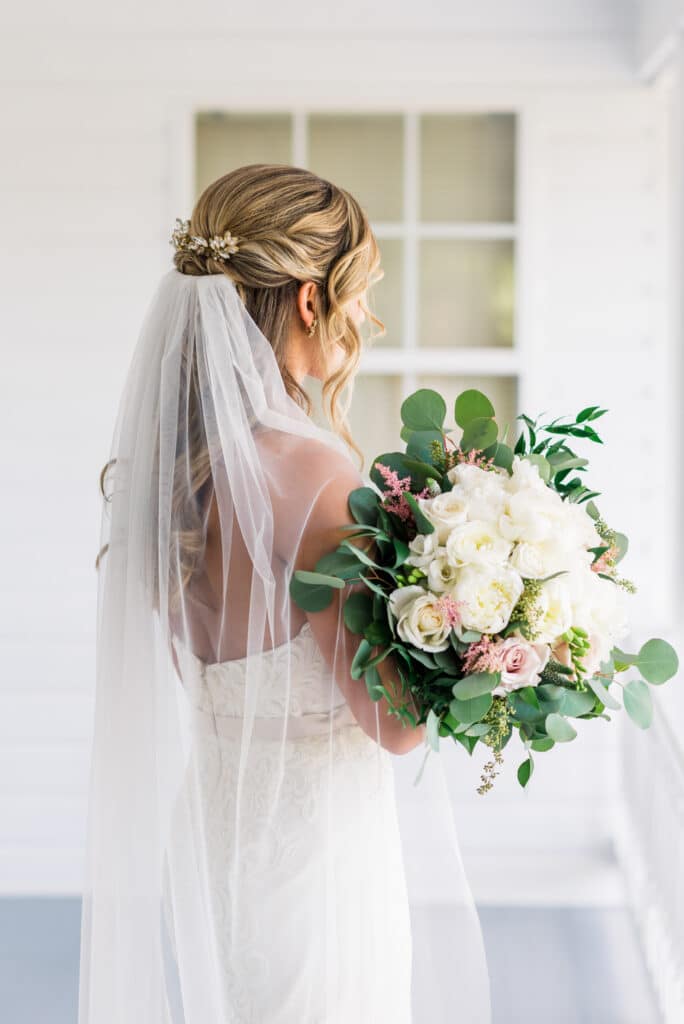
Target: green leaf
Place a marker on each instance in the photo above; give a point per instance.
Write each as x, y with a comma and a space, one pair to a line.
525, 770
432, 729
338, 563
638, 704
313, 592
476, 684
377, 633
358, 665
419, 444
577, 702
471, 405
471, 710
422, 522
358, 553
425, 409
542, 465
657, 661
358, 611
478, 729
363, 505
622, 544
558, 728
546, 743
602, 693
502, 455
404, 466
374, 683
479, 433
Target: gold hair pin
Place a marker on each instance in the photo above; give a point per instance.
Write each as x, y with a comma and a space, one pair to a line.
219, 247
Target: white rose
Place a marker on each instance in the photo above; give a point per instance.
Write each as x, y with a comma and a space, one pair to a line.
598, 605
525, 476
420, 619
531, 515
535, 560
484, 490
478, 543
489, 593
441, 573
555, 610
445, 511
424, 548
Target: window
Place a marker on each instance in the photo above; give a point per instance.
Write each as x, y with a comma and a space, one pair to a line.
440, 191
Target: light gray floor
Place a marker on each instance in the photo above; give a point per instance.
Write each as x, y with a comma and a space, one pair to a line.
560, 965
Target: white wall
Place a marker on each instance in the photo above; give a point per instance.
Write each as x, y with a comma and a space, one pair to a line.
93, 174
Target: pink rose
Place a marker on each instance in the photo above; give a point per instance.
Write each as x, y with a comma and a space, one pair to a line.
521, 663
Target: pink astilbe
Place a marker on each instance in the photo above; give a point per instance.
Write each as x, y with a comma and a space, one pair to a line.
450, 608
393, 499
475, 457
482, 656
605, 562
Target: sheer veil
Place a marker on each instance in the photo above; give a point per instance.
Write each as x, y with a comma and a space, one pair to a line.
224, 817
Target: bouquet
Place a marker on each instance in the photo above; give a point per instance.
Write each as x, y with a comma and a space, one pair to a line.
493, 579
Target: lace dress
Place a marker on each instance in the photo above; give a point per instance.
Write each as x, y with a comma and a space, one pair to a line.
325, 934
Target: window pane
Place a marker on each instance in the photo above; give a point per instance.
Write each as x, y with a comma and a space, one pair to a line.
501, 391
467, 167
385, 298
374, 415
225, 141
465, 293
362, 153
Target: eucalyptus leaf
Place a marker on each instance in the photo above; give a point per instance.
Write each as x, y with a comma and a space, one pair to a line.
470, 405
358, 611
542, 465
577, 702
432, 729
501, 454
602, 693
638, 704
420, 442
558, 728
479, 433
425, 409
657, 661
476, 684
543, 744
363, 505
471, 710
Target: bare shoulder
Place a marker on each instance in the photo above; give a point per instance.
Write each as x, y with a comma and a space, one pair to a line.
309, 463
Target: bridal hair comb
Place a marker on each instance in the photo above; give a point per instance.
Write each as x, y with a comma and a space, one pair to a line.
219, 247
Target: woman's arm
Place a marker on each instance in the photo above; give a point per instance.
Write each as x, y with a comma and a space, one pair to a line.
338, 644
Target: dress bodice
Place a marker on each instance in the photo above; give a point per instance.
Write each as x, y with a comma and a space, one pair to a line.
294, 681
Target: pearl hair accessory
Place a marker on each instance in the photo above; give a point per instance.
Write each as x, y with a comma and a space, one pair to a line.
219, 247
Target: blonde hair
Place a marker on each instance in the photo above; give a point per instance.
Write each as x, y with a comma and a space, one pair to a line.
292, 226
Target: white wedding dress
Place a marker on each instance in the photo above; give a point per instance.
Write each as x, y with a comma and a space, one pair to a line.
278, 975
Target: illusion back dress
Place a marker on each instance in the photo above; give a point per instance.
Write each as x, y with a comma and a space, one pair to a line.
324, 932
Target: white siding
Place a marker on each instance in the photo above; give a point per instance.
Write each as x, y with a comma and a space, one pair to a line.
93, 173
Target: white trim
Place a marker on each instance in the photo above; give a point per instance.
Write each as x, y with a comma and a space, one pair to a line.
468, 361
445, 229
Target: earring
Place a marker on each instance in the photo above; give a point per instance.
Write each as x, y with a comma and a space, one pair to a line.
310, 330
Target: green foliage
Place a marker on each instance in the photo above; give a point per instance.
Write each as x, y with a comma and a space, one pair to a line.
475, 684
657, 661
363, 505
423, 410
638, 705
472, 405
559, 729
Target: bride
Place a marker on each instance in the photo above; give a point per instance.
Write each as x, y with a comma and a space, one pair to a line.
249, 859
